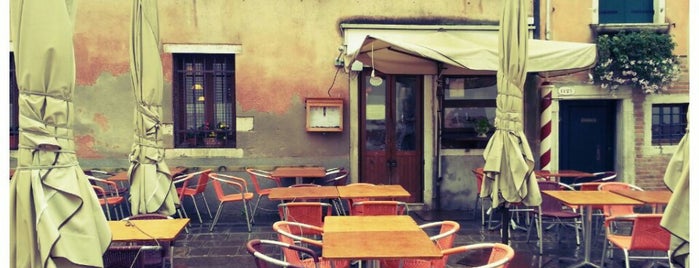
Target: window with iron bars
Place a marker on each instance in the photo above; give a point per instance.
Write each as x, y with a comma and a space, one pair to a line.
14, 107
204, 100
669, 123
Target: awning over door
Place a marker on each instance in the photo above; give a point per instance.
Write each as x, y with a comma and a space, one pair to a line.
472, 52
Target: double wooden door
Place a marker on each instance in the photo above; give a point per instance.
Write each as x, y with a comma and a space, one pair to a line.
391, 132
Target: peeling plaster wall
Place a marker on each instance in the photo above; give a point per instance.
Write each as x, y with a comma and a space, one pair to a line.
288, 51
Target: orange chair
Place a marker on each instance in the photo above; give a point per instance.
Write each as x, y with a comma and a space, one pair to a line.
351, 201
552, 210
339, 179
108, 196
500, 254
240, 194
478, 174
646, 234
263, 251
379, 207
259, 190
614, 210
444, 239
286, 234
304, 212
199, 189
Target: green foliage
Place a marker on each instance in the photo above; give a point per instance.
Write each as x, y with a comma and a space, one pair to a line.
642, 60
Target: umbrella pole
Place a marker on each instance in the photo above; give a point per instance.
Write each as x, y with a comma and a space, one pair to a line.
505, 224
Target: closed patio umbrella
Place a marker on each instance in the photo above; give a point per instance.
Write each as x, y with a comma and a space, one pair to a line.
676, 216
55, 217
151, 189
509, 163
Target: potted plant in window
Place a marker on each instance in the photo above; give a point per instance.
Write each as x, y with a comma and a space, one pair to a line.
481, 125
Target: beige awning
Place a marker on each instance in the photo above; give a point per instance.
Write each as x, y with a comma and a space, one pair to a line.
471, 52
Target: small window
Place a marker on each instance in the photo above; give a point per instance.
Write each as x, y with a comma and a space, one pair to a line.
625, 11
204, 100
468, 113
14, 107
669, 123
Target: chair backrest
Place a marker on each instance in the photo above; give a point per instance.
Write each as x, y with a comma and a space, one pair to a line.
297, 232
478, 174
262, 250
255, 174
548, 203
647, 234
613, 210
203, 180
134, 256
184, 179
239, 184
338, 178
304, 212
379, 207
500, 254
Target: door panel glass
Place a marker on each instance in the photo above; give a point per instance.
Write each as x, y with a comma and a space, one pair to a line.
405, 110
375, 117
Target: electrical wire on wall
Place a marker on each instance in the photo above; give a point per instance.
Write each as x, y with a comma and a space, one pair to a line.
333, 83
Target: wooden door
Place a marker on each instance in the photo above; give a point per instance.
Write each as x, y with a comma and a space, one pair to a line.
587, 133
391, 132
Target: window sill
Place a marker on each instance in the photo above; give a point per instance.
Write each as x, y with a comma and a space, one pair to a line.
608, 28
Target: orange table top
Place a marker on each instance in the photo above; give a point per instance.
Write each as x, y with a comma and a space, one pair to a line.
123, 175
369, 223
591, 198
306, 172
369, 238
648, 197
146, 230
291, 193
372, 191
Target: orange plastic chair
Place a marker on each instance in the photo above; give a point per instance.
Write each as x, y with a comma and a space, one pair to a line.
285, 234
444, 239
646, 235
240, 194
339, 179
304, 212
500, 254
199, 189
614, 210
478, 175
263, 251
108, 196
259, 190
351, 201
379, 207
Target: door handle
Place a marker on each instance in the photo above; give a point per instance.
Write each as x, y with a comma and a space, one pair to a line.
392, 163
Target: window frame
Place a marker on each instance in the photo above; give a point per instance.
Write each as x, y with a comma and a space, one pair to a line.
207, 132
679, 121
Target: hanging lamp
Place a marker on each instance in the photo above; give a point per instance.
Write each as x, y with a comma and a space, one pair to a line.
374, 80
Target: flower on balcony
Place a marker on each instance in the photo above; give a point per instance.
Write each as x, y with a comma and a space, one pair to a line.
641, 60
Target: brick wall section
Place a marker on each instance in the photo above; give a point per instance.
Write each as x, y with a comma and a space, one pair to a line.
650, 169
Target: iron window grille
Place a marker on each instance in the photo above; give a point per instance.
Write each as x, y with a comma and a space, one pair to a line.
204, 100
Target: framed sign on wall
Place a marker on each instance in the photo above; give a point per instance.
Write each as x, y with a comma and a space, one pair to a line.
324, 114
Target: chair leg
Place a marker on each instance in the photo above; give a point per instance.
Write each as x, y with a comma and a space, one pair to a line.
247, 216
605, 254
196, 208
626, 257
206, 204
254, 209
109, 214
218, 214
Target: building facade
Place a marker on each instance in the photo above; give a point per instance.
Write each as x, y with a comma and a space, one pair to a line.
238, 75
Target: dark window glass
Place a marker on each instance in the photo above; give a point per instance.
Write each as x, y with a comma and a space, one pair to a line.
669, 123
468, 111
204, 100
14, 108
625, 11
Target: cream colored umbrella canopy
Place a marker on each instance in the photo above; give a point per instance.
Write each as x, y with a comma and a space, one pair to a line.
55, 217
151, 189
676, 216
509, 163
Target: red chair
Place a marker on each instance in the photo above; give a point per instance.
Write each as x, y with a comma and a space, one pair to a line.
255, 174
478, 175
239, 194
646, 235
304, 212
500, 254
615, 210
108, 196
286, 234
263, 251
444, 239
351, 201
199, 189
379, 207
551, 209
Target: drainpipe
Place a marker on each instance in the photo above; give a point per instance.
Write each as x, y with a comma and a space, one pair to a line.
548, 20
437, 178
537, 18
